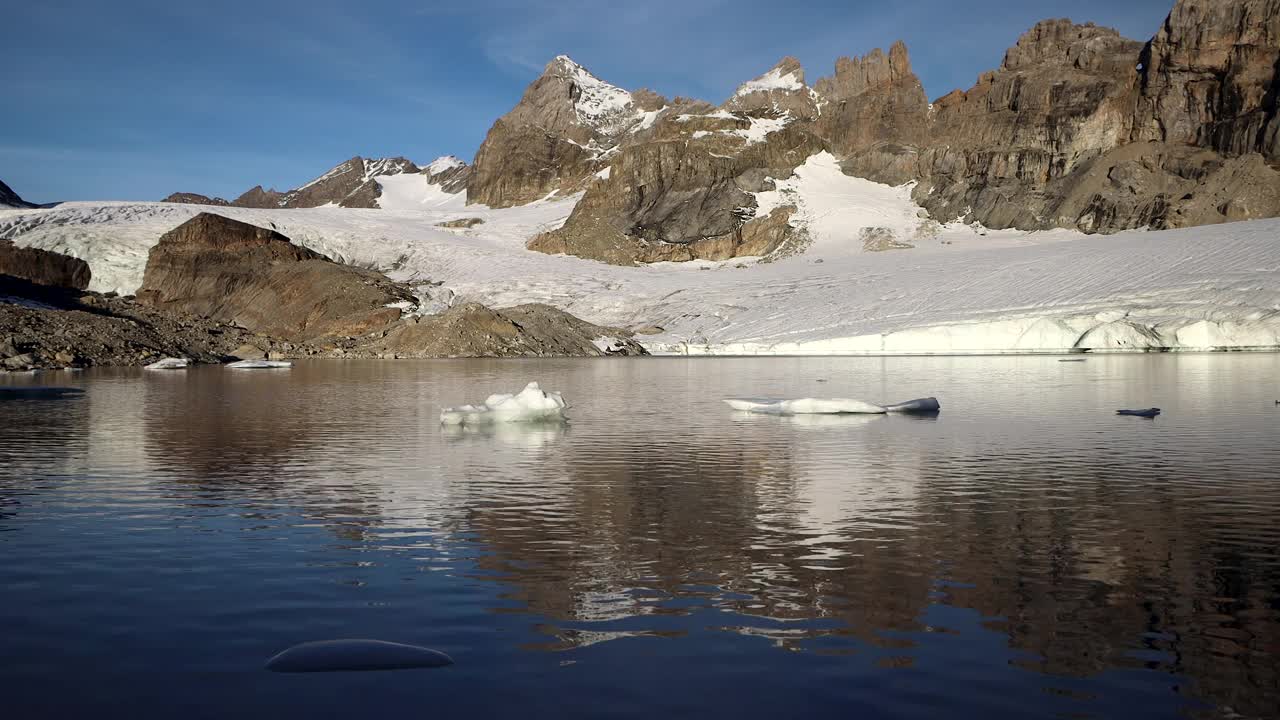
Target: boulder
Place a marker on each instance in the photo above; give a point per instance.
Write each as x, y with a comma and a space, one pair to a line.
224, 269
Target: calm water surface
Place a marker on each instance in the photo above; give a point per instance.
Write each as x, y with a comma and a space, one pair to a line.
1023, 554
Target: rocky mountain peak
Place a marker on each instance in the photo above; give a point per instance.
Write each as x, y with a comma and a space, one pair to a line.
875, 70
564, 129
780, 91
1060, 42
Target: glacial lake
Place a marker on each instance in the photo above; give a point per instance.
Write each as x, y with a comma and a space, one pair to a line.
1024, 553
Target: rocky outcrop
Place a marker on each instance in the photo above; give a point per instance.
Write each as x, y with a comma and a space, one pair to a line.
471, 330
1211, 78
9, 198
42, 267
216, 267
560, 133
874, 100
196, 199
998, 152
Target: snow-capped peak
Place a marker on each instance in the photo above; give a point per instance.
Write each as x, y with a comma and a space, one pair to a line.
444, 163
595, 100
775, 79
384, 166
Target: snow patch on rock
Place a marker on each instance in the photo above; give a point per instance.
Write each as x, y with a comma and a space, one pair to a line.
775, 79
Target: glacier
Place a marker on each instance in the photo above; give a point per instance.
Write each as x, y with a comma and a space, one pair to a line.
962, 289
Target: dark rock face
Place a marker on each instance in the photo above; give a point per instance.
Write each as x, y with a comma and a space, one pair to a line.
224, 269
872, 100
1211, 78
195, 199
42, 267
9, 198
1062, 97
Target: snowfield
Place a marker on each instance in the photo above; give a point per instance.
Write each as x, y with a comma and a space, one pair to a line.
960, 289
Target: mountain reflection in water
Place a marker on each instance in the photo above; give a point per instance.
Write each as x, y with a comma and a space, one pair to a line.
1023, 552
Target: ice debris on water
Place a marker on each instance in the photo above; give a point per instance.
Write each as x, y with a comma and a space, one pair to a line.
532, 404
169, 364
805, 406
355, 655
1148, 413
259, 364
830, 406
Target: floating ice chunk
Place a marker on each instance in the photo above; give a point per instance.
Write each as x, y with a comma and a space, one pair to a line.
923, 405
169, 364
259, 364
356, 655
532, 404
1148, 413
805, 406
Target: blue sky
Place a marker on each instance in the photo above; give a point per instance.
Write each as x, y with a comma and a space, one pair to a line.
133, 99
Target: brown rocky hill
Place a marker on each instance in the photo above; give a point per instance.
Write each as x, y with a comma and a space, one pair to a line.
216, 267
216, 288
1079, 128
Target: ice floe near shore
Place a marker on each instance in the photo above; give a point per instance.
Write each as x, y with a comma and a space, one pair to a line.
259, 364
169, 364
533, 404
830, 406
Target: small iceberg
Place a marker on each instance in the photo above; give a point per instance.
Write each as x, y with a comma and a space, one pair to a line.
532, 404
1148, 413
259, 364
830, 406
805, 406
355, 656
169, 364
